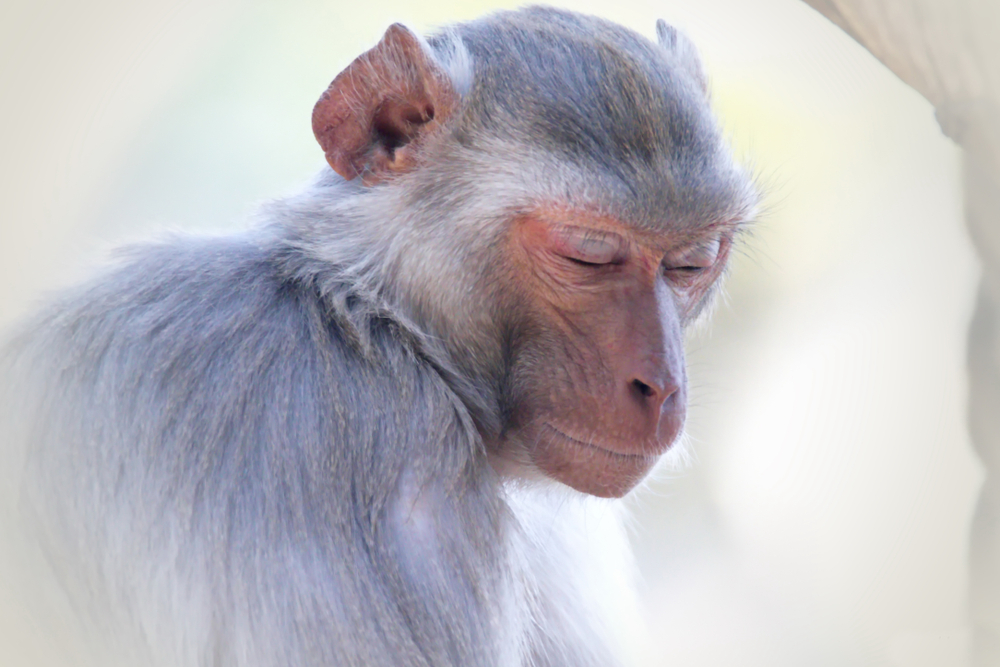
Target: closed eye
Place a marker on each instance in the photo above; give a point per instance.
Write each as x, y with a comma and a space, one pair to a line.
693, 259
683, 275
586, 263
588, 247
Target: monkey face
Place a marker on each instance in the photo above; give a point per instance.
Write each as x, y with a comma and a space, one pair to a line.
564, 324
598, 384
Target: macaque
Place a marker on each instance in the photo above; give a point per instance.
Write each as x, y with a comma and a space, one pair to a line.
364, 432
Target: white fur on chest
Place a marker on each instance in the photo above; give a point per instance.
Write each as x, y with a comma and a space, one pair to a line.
573, 580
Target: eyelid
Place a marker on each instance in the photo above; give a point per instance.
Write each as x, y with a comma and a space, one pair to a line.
588, 245
701, 255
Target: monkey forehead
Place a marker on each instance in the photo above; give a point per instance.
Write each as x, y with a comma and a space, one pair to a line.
553, 216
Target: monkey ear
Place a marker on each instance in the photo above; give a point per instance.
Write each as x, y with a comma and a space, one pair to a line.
681, 47
666, 34
372, 119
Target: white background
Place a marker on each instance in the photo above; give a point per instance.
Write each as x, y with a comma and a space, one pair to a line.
824, 517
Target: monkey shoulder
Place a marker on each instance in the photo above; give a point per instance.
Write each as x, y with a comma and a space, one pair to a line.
196, 418
203, 362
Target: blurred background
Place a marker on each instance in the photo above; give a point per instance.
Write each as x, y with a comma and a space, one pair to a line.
824, 517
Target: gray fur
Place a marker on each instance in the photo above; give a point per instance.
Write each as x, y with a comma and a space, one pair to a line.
633, 116
268, 449
217, 415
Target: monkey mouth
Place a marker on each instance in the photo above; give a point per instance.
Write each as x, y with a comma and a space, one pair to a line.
627, 456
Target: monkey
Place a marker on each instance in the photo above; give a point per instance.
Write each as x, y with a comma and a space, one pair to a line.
367, 430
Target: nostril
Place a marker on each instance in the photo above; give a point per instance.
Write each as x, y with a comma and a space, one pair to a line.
644, 389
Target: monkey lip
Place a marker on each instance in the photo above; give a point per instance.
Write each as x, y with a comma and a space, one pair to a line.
632, 456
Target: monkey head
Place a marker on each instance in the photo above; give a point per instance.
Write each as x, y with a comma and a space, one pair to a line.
550, 211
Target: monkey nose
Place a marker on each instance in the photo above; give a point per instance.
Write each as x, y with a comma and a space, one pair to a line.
658, 409
652, 394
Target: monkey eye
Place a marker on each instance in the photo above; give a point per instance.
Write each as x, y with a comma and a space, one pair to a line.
590, 247
693, 259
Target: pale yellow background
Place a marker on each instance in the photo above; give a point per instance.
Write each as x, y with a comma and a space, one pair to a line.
825, 515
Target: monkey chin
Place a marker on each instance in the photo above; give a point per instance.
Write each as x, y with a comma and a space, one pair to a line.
587, 467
